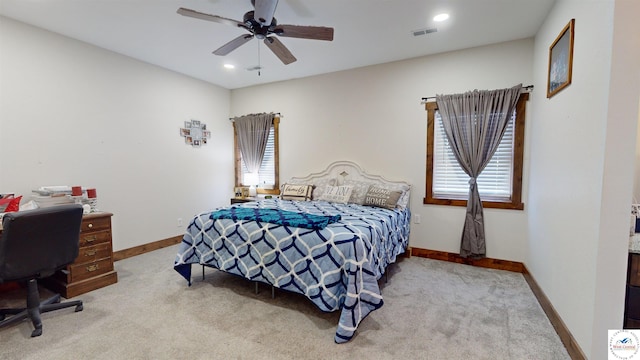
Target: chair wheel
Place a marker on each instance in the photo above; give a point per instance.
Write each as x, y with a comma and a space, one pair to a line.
36, 332
79, 308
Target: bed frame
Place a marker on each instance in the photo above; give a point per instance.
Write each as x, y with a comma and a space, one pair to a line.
361, 296
336, 174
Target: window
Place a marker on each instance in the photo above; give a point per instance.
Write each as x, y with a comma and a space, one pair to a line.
500, 183
269, 169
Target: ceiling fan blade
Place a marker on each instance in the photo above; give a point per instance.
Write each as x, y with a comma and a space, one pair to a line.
305, 32
280, 50
214, 18
232, 45
264, 11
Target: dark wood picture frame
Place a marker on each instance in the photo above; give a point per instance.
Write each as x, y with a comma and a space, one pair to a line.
561, 60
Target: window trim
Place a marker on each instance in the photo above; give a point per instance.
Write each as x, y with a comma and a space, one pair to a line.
238, 161
518, 159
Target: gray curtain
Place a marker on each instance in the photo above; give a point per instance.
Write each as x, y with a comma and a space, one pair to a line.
474, 123
253, 133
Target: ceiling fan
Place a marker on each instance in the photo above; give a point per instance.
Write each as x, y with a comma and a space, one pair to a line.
261, 24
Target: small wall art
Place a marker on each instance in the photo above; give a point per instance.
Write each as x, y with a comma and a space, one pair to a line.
195, 133
560, 60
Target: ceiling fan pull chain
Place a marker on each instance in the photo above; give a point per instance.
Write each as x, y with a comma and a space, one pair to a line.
259, 63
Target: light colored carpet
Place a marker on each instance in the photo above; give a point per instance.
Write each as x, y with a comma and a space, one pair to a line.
433, 310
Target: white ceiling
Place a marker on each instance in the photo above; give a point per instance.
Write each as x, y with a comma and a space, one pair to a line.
367, 32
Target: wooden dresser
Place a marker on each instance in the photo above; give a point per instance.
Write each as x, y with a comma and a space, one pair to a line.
93, 267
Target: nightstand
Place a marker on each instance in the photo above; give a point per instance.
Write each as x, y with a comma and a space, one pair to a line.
242, 200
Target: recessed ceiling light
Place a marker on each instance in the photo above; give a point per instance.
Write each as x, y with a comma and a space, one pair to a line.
441, 17
229, 66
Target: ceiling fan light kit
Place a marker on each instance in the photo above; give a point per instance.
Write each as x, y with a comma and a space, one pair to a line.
261, 24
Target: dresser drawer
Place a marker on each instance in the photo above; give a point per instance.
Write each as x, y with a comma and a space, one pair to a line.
79, 272
94, 224
93, 253
95, 237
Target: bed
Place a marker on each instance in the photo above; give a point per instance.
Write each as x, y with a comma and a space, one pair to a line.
330, 236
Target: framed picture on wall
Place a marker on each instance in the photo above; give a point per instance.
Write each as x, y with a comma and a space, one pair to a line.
560, 60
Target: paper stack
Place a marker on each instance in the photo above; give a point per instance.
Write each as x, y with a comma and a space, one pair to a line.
47, 196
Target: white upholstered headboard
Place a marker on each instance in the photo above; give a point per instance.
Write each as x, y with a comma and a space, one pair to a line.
339, 172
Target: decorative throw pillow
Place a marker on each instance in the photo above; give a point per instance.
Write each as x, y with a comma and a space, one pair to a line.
360, 189
405, 191
10, 204
300, 192
381, 197
320, 185
337, 194
4, 202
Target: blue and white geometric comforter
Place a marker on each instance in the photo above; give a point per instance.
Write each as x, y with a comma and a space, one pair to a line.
337, 267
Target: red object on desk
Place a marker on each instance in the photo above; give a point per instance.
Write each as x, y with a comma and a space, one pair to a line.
91, 193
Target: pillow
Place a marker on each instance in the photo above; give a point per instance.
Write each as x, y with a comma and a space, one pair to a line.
300, 192
360, 189
4, 202
381, 197
10, 205
337, 194
319, 185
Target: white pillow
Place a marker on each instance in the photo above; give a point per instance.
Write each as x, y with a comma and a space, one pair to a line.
337, 194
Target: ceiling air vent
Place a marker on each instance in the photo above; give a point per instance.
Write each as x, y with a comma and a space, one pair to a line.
425, 31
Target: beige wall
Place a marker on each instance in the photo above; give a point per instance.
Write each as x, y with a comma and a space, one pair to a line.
71, 113
75, 114
373, 116
582, 145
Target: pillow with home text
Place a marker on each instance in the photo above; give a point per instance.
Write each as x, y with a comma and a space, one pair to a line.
381, 197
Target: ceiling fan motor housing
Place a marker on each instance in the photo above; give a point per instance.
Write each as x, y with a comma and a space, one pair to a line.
256, 28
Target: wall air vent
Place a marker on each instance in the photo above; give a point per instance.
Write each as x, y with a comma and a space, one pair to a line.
425, 31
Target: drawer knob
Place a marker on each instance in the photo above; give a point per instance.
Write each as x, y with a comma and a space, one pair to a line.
90, 253
91, 238
90, 226
92, 268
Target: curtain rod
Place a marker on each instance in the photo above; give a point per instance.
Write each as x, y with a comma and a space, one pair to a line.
425, 99
274, 114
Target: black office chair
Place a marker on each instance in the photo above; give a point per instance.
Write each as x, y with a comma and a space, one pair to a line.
35, 244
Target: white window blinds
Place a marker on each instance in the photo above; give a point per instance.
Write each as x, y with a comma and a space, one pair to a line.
451, 182
267, 172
